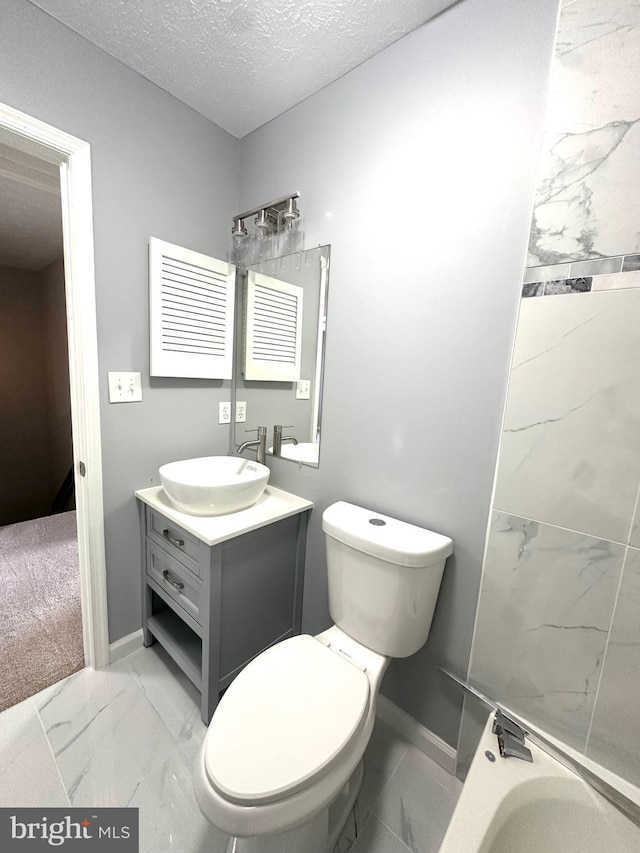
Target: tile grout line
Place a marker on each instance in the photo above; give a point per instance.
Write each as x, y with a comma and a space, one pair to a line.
606, 649
376, 814
372, 810
388, 828
613, 614
560, 527
55, 760
156, 712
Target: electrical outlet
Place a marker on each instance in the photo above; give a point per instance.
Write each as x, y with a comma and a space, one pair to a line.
224, 413
303, 389
124, 387
241, 412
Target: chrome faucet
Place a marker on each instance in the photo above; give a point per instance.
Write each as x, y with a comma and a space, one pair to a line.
510, 737
260, 444
278, 438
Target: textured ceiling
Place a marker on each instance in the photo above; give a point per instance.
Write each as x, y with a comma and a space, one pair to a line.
241, 63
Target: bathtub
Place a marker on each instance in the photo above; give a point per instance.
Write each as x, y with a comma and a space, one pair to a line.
512, 806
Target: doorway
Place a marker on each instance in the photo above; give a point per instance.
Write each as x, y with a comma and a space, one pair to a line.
71, 158
40, 612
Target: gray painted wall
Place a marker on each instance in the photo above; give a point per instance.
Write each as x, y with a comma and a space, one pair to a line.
419, 169
158, 169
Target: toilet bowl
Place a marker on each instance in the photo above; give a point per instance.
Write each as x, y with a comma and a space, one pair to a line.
310, 711
281, 763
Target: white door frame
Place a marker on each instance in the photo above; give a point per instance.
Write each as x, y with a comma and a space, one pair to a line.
73, 157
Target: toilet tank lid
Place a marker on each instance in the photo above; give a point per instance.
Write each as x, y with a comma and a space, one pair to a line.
385, 537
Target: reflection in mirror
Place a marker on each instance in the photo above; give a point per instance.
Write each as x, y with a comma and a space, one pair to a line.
280, 351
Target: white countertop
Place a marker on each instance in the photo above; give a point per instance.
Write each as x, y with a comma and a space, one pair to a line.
274, 505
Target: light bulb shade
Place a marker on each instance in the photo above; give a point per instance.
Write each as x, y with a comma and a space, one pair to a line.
291, 213
238, 231
262, 221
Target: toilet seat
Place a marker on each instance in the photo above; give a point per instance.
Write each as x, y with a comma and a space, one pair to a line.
285, 719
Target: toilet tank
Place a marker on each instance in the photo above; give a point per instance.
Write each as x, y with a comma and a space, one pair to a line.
384, 576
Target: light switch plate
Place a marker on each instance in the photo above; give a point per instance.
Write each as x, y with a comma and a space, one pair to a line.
125, 387
303, 390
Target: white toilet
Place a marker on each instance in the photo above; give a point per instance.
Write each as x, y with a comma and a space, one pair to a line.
281, 763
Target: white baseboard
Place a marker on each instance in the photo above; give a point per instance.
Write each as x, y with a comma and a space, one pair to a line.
125, 645
417, 734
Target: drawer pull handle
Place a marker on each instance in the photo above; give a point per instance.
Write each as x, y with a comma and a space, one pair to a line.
179, 543
175, 584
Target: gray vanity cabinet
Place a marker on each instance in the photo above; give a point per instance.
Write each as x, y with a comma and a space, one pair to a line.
215, 607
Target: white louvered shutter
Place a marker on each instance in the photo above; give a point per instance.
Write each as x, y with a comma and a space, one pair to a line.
273, 329
192, 300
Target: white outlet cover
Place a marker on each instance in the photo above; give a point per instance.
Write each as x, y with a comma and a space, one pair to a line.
303, 389
241, 412
224, 413
124, 387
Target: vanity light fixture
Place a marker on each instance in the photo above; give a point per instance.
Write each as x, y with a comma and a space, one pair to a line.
270, 218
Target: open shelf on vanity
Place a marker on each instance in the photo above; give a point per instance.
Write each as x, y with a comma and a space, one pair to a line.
179, 641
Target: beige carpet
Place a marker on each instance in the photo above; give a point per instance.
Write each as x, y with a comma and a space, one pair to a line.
40, 615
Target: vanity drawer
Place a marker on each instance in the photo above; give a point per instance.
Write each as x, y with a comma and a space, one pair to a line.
174, 579
175, 540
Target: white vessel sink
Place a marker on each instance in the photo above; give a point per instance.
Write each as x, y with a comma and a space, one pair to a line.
213, 485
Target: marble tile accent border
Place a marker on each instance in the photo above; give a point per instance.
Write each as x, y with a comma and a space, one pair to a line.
616, 273
621, 281
631, 262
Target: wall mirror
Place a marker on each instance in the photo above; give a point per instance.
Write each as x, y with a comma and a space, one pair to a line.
282, 306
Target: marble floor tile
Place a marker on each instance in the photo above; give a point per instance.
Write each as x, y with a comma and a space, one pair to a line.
105, 736
170, 692
418, 802
383, 755
170, 819
28, 772
545, 608
123, 736
378, 838
614, 739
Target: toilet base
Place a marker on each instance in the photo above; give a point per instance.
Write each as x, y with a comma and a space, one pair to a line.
319, 835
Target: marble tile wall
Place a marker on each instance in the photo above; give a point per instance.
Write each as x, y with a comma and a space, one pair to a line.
557, 635
570, 448
587, 204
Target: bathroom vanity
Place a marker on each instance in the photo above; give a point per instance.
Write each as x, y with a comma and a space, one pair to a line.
218, 590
